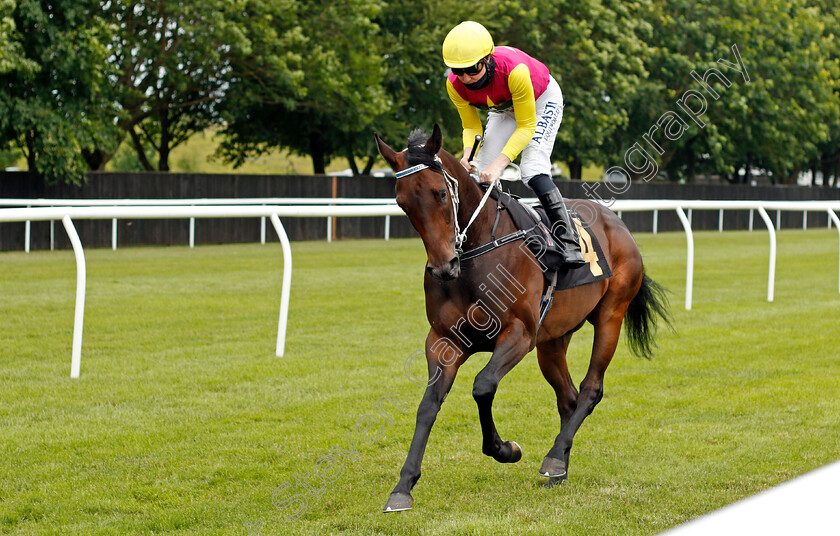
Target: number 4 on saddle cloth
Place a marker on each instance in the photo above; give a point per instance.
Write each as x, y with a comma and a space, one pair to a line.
534, 226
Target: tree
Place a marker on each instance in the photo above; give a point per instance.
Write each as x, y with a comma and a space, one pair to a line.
312, 84
12, 55
829, 159
52, 104
771, 116
596, 50
173, 62
410, 39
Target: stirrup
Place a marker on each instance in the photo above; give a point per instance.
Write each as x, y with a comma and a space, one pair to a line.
572, 255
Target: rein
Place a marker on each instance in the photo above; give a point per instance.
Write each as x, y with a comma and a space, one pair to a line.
461, 236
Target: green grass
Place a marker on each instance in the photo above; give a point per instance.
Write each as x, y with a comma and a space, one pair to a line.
183, 421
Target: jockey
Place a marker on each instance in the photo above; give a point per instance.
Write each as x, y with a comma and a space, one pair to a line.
525, 110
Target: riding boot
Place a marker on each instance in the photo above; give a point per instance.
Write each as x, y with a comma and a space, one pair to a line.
561, 225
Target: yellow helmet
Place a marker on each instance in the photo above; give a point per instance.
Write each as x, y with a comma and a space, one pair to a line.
466, 44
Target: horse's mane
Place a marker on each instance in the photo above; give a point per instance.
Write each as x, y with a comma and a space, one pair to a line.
417, 153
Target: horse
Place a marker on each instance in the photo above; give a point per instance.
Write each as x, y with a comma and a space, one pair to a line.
491, 303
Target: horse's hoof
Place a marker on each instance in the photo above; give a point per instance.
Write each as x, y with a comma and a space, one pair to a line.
553, 467
398, 502
516, 453
554, 481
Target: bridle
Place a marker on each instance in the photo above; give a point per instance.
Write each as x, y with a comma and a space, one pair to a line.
452, 187
461, 236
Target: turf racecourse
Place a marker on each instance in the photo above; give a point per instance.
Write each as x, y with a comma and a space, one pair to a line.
183, 421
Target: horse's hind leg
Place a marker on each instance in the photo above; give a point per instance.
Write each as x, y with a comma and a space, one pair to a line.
511, 347
552, 359
605, 341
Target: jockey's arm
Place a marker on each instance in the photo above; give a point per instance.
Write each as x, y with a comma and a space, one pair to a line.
470, 121
525, 110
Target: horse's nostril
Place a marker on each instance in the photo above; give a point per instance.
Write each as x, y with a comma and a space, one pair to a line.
454, 267
450, 270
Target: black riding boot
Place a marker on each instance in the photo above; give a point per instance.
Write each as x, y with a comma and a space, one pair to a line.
561, 226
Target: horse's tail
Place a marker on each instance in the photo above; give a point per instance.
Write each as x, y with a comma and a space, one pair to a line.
649, 304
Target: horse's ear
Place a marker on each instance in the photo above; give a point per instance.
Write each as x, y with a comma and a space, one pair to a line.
387, 153
435, 141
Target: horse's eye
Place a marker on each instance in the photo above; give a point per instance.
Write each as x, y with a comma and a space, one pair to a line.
442, 195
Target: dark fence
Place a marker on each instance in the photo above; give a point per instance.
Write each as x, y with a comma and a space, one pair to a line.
209, 231
707, 220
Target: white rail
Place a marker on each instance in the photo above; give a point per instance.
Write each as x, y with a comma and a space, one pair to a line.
66, 215
81, 285
632, 205
357, 207
256, 201
803, 206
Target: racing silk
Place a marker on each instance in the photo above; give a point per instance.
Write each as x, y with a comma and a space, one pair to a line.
518, 81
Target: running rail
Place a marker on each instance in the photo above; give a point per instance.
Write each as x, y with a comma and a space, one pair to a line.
273, 212
111, 209
204, 201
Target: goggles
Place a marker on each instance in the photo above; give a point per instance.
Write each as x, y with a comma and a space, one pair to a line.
471, 70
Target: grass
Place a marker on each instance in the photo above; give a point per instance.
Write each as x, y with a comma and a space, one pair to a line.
183, 422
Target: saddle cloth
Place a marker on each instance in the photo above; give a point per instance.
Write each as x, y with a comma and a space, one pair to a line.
534, 222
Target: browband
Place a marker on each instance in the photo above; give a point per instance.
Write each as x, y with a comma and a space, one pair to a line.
409, 171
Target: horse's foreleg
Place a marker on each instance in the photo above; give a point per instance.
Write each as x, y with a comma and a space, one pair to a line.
555, 464
511, 347
441, 378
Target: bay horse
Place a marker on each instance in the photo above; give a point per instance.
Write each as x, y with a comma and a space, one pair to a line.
491, 303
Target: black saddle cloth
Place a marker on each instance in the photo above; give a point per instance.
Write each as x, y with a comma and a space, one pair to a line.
547, 254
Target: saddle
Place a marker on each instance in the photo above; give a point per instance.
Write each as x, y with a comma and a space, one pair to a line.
533, 226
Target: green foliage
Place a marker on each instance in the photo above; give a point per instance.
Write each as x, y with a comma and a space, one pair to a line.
173, 61
52, 103
12, 55
829, 161
312, 83
411, 35
774, 121
596, 50
8, 158
317, 78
